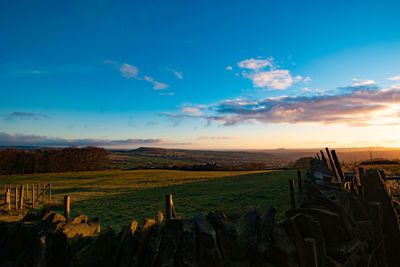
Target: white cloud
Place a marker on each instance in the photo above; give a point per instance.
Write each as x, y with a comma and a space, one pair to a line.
128, 71
297, 78
149, 79
157, 85
363, 83
176, 73
307, 79
255, 64
194, 111
170, 93
394, 78
228, 68
160, 86
306, 89
263, 73
276, 79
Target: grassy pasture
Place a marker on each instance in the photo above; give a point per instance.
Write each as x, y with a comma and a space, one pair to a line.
118, 197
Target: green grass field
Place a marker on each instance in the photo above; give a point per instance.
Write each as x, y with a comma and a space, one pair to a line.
118, 197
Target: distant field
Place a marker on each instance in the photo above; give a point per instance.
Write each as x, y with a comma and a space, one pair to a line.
118, 197
126, 160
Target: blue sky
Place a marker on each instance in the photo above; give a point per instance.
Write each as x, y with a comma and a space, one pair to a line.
200, 74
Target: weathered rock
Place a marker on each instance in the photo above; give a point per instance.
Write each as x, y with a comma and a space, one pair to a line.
171, 237
142, 238
343, 252
375, 189
53, 217
126, 245
309, 227
226, 234
363, 231
208, 252
330, 222
152, 245
265, 233
98, 253
283, 251
247, 228
71, 229
315, 199
159, 217
187, 255
332, 263
79, 219
293, 232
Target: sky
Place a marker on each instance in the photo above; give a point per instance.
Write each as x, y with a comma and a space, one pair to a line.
200, 74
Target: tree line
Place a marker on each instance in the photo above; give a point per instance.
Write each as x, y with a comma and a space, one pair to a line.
71, 159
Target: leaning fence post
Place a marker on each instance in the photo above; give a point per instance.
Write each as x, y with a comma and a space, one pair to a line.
16, 197
21, 197
330, 160
66, 207
8, 199
291, 192
324, 159
299, 182
337, 164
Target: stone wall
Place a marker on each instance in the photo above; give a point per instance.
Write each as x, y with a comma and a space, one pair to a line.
329, 227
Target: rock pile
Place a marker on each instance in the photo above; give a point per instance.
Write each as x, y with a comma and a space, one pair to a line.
330, 227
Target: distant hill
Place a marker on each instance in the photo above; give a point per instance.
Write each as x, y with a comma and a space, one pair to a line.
204, 156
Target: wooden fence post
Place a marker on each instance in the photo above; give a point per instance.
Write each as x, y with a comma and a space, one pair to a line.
168, 206
291, 192
49, 193
33, 195
299, 182
21, 197
324, 159
337, 164
360, 172
360, 181
8, 199
66, 207
330, 160
37, 192
16, 197
311, 250
44, 192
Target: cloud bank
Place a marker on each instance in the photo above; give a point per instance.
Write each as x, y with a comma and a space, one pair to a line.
19, 115
361, 106
356, 108
37, 140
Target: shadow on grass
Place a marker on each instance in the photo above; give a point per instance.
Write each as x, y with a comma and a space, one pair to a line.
233, 195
